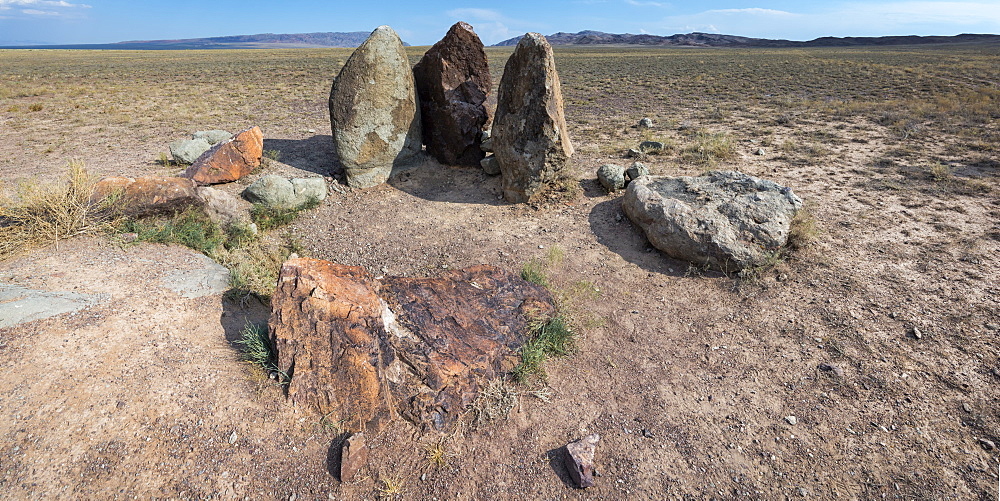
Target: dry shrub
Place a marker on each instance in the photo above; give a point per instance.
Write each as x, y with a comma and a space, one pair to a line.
46, 213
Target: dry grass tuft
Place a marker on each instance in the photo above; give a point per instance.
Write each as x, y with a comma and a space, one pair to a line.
46, 213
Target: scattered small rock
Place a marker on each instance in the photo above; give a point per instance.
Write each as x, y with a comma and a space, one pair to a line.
987, 444
760, 152
916, 333
353, 455
648, 434
634, 153
636, 171
792, 420
233, 438
612, 177
651, 147
966, 407
579, 457
993, 327
835, 369
490, 165
645, 123
487, 145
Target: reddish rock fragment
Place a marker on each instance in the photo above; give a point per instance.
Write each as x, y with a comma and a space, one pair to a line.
229, 160
361, 350
146, 196
579, 459
353, 455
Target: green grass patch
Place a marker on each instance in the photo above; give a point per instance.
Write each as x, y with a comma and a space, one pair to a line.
268, 218
552, 337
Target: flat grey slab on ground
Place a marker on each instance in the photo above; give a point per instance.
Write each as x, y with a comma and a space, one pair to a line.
207, 279
20, 305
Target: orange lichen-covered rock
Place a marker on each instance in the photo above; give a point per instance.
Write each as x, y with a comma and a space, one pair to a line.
146, 195
229, 160
361, 350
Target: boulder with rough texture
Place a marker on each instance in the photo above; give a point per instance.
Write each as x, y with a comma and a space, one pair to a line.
453, 81
213, 137
530, 139
645, 123
651, 147
728, 221
579, 459
374, 113
284, 193
353, 455
186, 151
229, 160
146, 196
490, 165
363, 350
611, 176
226, 210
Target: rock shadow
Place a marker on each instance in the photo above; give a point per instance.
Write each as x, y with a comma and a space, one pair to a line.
315, 154
334, 455
557, 461
427, 179
238, 312
615, 231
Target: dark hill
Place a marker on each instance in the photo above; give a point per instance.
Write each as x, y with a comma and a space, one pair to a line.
259, 41
590, 37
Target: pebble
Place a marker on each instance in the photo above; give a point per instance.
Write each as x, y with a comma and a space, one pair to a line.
791, 420
993, 327
966, 407
232, 438
646, 433
311, 131
987, 444
917, 334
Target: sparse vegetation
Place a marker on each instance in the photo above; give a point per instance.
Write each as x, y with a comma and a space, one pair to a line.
552, 337
268, 218
495, 401
46, 213
709, 148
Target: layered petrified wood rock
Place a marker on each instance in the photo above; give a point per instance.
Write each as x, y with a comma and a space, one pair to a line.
453, 82
146, 196
228, 160
364, 351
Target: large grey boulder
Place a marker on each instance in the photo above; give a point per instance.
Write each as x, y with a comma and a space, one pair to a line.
453, 81
374, 115
283, 193
186, 151
530, 139
727, 221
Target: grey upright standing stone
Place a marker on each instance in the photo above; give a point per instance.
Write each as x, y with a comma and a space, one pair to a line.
374, 113
530, 140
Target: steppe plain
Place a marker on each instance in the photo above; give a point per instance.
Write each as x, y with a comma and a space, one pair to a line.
688, 375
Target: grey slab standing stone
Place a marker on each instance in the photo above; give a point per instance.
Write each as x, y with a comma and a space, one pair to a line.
213, 136
726, 220
19, 305
530, 138
611, 176
207, 279
283, 193
374, 113
186, 151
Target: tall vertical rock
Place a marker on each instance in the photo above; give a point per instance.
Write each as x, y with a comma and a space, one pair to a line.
374, 113
530, 140
453, 81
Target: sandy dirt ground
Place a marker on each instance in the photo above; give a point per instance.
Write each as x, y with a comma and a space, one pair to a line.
689, 377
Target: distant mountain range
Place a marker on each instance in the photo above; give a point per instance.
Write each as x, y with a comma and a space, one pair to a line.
714, 40
260, 41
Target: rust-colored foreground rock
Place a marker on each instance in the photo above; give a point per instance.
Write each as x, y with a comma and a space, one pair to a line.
229, 160
364, 351
146, 196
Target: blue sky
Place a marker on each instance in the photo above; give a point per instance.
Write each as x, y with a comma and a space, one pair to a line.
424, 22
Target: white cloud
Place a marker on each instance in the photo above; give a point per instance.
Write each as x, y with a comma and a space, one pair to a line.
646, 4
42, 3
41, 9
842, 19
34, 12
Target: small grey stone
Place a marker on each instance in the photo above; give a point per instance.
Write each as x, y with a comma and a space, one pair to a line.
759, 152
213, 136
611, 176
646, 433
634, 153
487, 145
490, 165
233, 438
993, 327
186, 151
645, 123
916, 333
987, 444
484, 135
966, 407
803, 491
832, 368
792, 420
636, 171
651, 147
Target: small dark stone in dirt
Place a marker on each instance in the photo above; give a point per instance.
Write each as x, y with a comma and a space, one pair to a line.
966, 407
993, 327
646, 433
832, 368
353, 455
580, 460
987, 444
